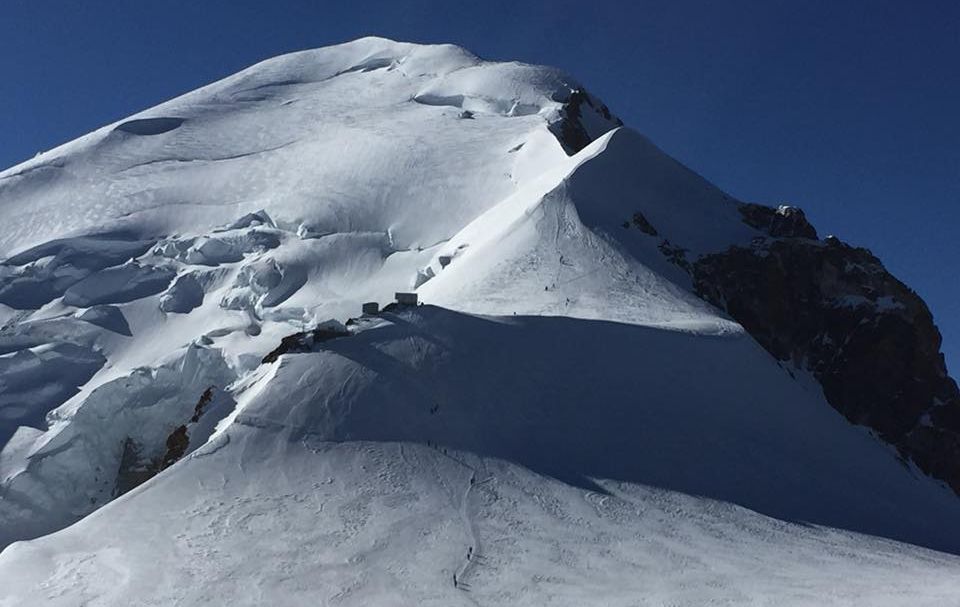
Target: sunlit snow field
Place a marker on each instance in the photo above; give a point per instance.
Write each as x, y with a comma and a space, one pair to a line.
565, 422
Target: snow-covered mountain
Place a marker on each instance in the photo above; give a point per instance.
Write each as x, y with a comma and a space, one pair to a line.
626, 387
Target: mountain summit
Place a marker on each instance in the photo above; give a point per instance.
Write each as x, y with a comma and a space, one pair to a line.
625, 386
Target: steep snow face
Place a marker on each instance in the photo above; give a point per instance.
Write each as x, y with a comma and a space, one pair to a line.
568, 245
150, 266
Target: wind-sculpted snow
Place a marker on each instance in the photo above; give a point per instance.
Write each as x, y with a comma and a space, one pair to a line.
179, 377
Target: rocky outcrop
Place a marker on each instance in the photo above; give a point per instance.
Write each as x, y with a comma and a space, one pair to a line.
582, 119
306, 340
834, 310
177, 444
640, 222
782, 222
137, 468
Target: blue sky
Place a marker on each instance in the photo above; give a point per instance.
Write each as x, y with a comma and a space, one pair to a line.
847, 109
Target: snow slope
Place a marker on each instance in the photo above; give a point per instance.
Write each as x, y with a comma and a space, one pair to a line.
566, 412
367, 472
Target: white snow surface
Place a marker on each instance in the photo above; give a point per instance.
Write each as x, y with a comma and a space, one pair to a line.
565, 423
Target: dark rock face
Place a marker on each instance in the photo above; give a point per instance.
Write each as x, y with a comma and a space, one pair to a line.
866, 337
200, 408
640, 222
137, 468
177, 444
782, 222
305, 341
676, 255
573, 130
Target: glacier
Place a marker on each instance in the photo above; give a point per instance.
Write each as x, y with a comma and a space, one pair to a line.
566, 421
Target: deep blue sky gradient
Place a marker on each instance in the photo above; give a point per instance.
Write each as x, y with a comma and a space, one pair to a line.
848, 109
